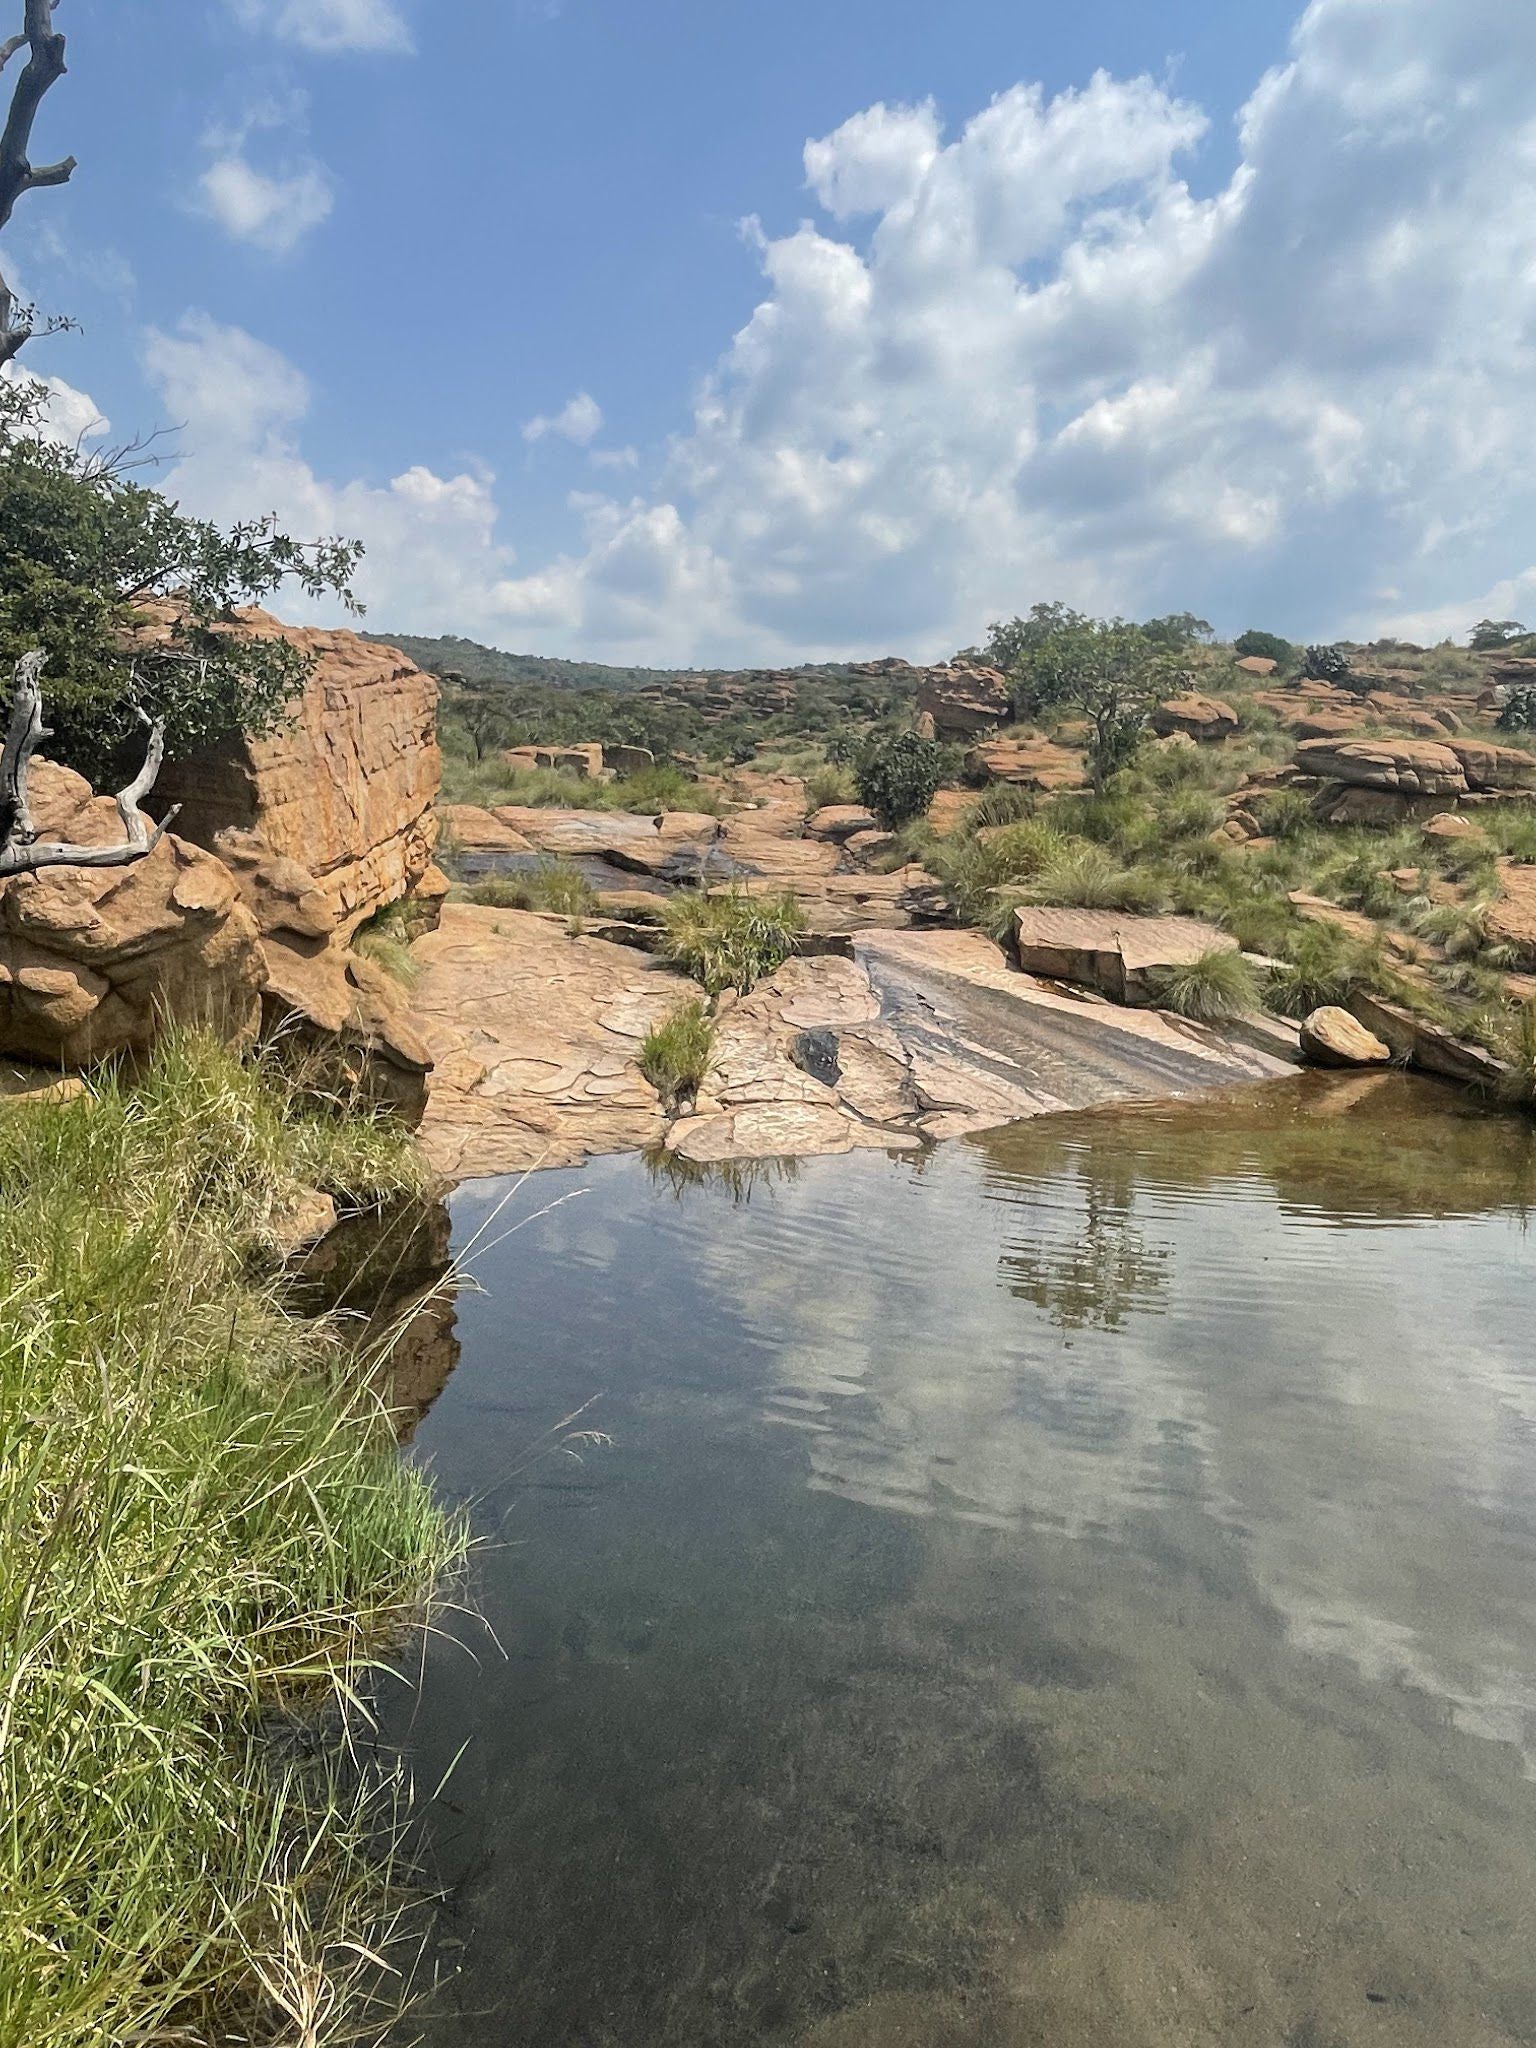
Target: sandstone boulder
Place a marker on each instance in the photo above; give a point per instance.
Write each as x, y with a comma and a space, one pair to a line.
1429, 1047
1257, 665
964, 701
474, 830
839, 822
345, 788
1490, 767
1331, 1037
1029, 763
1324, 725
585, 763
1117, 952
1203, 718
628, 760
1452, 825
1510, 919
95, 961
1383, 808
1401, 767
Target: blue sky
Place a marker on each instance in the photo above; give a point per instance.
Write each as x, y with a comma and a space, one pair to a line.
663, 330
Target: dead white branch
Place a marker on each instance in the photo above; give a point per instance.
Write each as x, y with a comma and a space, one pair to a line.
21, 851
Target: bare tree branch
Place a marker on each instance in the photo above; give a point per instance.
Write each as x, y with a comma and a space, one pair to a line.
21, 851
44, 67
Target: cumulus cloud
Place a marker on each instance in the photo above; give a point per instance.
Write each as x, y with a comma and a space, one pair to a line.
431, 541
271, 209
329, 26
580, 420
1047, 354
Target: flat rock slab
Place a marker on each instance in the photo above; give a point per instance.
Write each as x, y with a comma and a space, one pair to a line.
1113, 951
923, 1035
534, 1034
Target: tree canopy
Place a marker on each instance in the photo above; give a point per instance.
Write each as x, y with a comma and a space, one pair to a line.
85, 543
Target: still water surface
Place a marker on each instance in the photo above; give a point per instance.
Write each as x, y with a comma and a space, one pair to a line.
1075, 1587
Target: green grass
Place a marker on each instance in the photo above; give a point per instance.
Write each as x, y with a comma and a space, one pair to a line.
553, 884
1324, 966
674, 1056
828, 784
1086, 877
731, 940
1218, 985
386, 940
203, 1523
491, 782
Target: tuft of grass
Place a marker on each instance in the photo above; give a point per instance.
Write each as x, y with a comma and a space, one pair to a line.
1286, 814
1218, 985
1086, 877
1457, 927
203, 1526
386, 939
1324, 965
731, 940
1004, 803
1518, 1047
674, 1056
554, 884
828, 784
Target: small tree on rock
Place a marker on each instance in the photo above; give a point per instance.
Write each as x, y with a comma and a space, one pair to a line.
1110, 673
1328, 665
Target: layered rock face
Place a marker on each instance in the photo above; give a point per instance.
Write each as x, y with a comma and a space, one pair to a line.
1117, 952
961, 702
95, 961
345, 788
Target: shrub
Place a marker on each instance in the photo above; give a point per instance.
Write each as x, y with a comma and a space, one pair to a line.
1265, 646
733, 939
674, 1056
1217, 985
898, 777
1328, 665
1519, 711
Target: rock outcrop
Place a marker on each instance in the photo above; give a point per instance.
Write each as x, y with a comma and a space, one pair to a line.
1401, 767
962, 702
1029, 763
94, 961
1118, 953
346, 788
839, 822
1203, 718
1510, 919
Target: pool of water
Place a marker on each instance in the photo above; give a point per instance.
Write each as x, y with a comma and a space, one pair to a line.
1076, 1586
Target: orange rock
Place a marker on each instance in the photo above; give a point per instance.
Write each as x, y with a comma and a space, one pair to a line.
1203, 718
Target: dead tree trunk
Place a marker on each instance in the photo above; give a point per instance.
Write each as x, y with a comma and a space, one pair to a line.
43, 68
21, 851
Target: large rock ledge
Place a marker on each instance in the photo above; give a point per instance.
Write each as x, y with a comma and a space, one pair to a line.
926, 1034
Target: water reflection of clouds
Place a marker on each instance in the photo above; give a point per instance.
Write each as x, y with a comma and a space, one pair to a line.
1357, 1407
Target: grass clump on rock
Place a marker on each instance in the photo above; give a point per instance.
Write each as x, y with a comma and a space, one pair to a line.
731, 940
675, 1054
203, 1525
553, 884
1219, 984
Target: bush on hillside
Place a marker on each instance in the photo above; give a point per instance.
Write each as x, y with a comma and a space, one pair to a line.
898, 777
1264, 647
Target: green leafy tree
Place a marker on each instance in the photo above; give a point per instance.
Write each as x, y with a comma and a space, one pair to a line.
1488, 635
1109, 672
85, 546
1519, 711
1264, 647
898, 776
1010, 642
1176, 631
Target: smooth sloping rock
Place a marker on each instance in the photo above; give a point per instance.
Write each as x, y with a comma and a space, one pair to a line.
534, 1034
1331, 1037
1418, 1043
962, 701
1403, 767
1117, 952
1510, 919
96, 961
347, 784
1202, 718
474, 830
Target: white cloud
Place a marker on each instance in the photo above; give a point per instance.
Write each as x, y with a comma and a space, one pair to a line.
432, 550
1040, 356
614, 458
330, 26
580, 419
67, 414
271, 209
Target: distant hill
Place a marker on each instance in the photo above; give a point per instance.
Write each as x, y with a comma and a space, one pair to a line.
478, 663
